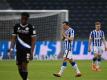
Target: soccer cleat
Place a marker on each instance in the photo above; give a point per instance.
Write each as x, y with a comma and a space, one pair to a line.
57, 75
78, 75
98, 69
93, 67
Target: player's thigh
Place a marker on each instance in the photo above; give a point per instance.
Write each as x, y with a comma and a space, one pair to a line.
23, 56
95, 51
19, 58
100, 50
24, 65
67, 54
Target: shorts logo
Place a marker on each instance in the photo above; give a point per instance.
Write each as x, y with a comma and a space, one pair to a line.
34, 32
28, 56
18, 28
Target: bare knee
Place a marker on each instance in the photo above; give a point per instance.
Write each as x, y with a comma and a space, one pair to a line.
24, 66
71, 60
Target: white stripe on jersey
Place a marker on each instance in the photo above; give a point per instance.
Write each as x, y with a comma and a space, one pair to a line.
23, 43
97, 37
67, 43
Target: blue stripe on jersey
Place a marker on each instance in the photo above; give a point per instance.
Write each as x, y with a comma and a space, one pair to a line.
67, 43
97, 37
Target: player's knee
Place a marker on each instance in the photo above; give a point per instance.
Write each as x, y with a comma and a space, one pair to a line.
64, 63
24, 67
99, 58
95, 55
99, 55
73, 63
19, 66
65, 59
95, 58
71, 60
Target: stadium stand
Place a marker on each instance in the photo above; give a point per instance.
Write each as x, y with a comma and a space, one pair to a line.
82, 14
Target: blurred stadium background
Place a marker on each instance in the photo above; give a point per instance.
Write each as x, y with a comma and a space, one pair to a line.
82, 15
47, 16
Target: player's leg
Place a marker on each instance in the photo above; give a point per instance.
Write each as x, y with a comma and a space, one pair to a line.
94, 60
22, 62
100, 51
73, 64
20, 70
19, 63
64, 64
63, 67
75, 67
25, 61
98, 68
25, 70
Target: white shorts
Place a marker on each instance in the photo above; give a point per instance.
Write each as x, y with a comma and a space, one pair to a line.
67, 54
97, 50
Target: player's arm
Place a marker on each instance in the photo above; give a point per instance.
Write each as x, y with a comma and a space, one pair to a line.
12, 43
104, 42
70, 37
89, 42
13, 40
33, 40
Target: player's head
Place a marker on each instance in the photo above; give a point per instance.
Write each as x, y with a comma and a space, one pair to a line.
66, 25
97, 25
24, 18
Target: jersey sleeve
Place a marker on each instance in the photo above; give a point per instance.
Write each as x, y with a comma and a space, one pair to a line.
71, 33
14, 30
103, 35
91, 34
33, 32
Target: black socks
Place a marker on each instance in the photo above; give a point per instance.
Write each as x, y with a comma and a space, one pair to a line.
23, 74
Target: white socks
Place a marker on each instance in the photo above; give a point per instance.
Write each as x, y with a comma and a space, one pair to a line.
97, 64
62, 70
76, 68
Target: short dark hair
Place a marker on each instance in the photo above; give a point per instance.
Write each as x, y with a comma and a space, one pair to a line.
66, 22
25, 14
97, 23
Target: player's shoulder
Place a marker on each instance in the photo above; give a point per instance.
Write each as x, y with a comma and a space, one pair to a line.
71, 29
16, 25
101, 30
30, 25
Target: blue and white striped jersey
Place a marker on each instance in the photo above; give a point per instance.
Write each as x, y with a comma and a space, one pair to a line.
68, 43
97, 37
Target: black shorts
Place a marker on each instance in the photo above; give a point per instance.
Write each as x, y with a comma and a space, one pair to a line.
22, 56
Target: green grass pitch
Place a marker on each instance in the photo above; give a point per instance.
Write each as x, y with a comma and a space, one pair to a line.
43, 70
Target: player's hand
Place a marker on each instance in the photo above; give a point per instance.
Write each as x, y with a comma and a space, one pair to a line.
63, 34
89, 49
10, 53
105, 49
31, 57
63, 38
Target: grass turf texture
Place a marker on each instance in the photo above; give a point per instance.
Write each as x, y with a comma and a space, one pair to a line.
43, 70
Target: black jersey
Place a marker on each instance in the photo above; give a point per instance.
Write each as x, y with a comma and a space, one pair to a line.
24, 35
